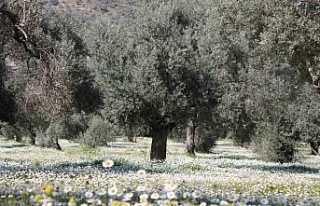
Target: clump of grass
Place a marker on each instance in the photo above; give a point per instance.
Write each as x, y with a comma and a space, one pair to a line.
193, 167
238, 157
90, 151
121, 162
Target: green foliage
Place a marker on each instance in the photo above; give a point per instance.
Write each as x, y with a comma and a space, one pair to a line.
206, 139
7, 131
76, 123
56, 130
151, 69
264, 49
121, 162
239, 68
306, 114
50, 76
99, 133
273, 146
90, 151
192, 167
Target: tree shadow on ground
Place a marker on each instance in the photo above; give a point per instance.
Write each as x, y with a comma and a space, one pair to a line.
295, 169
232, 157
13, 146
120, 166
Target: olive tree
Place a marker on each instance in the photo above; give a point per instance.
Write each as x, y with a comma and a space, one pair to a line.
151, 69
265, 49
51, 75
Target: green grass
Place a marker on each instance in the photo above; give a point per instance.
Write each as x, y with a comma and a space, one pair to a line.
227, 169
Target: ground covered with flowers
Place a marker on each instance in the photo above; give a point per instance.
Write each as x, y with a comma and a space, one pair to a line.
123, 175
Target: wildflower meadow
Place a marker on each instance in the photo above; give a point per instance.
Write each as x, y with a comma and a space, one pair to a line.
122, 174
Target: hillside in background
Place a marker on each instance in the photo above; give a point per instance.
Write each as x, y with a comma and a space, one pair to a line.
89, 7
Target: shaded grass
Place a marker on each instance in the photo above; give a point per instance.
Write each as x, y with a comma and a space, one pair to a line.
238, 157
13, 146
298, 169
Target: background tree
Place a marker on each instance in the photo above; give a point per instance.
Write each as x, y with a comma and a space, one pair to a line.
51, 76
264, 49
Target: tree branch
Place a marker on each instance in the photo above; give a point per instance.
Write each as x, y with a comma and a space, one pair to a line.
20, 35
315, 78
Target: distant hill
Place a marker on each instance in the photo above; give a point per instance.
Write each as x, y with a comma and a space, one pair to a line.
89, 7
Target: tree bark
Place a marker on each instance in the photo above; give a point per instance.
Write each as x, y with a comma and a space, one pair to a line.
54, 143
315, 79
49, 142
314, 147
189, 143
159, 144
32, 136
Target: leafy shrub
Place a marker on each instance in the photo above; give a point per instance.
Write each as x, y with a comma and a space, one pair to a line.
121, 162
76, 124
243, 129
99, 133
274, 147
206, 139
204, 144
7, 130
10, 132
56, 130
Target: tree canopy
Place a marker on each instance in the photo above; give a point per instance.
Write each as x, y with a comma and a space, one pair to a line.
246, 69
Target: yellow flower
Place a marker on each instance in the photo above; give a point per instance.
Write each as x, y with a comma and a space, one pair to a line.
72, 202
48, 189
116, 203
173, 203
38, 197
107, 163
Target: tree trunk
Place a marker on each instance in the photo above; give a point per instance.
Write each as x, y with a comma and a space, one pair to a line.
54, 143
49, 142
32, 137
190, 144
159, 144
314, 147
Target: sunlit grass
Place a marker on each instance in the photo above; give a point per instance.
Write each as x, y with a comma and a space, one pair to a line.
122, 174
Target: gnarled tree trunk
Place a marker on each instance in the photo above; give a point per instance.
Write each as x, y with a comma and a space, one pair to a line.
54, 143
314, 144
49, 142
315, 79
159, 144
189, 143
32, 136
